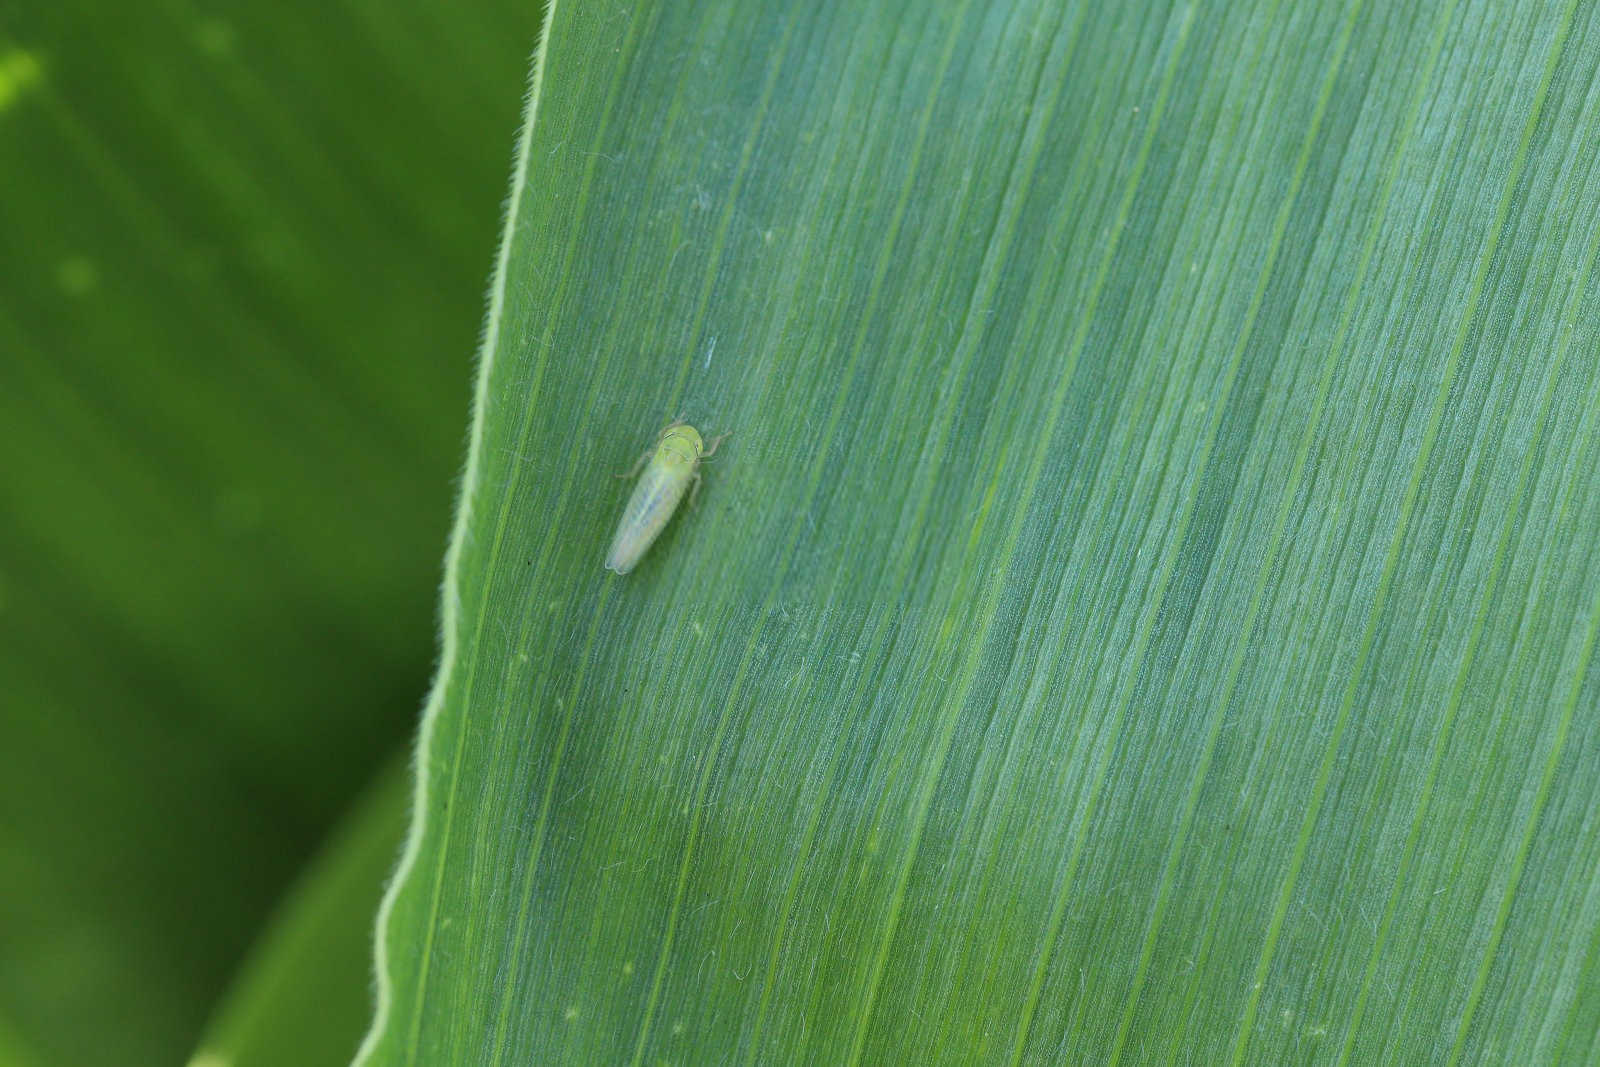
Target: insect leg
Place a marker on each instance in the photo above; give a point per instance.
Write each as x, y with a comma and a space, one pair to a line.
715, 443
694, 489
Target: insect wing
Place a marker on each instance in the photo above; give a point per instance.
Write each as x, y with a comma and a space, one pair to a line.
654, 500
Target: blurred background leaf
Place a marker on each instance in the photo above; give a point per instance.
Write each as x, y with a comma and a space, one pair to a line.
1147, 610
244, 252
305, 995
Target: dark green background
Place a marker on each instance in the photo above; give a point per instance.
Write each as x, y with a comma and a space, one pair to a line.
243, 251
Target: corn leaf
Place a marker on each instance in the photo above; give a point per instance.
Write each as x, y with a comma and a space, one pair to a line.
1146, 610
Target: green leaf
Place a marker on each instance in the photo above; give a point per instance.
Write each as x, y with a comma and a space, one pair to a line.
303, 996
245, 248
1146, 612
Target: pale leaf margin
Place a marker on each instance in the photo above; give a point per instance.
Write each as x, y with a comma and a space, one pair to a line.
450, 592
